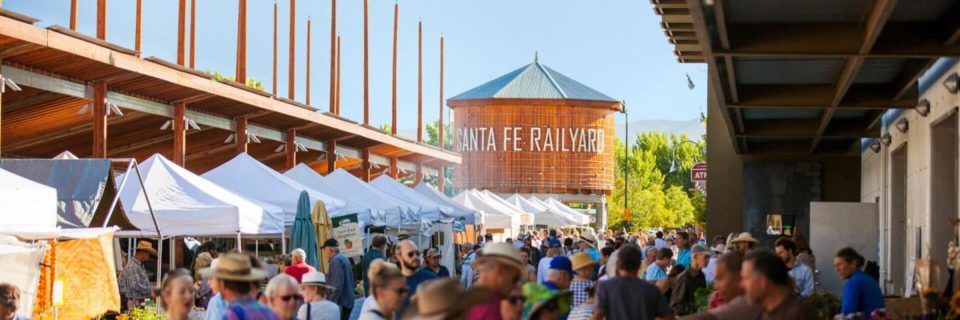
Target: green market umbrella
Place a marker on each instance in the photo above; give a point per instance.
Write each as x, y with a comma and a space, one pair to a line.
304, 232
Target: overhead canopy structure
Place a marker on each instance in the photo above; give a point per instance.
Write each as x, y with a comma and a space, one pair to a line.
85, 189
542, 215
552, 202
526, 218
250, 178
26, 205
187, 204
368, 212
429, 210
468, 215
396, 212
494, 216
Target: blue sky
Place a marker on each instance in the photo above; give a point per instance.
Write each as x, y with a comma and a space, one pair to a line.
614, 46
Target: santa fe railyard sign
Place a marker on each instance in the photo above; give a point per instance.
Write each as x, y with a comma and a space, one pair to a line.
536, 139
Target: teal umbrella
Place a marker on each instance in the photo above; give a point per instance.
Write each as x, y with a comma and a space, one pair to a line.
304, 231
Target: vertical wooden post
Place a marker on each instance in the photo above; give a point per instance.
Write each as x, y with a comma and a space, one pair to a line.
102, 19
181, 33
441, 176
291, 148
334, 56
179, 133
440, 136
365, 165
291, 82
337, 102
241, 133
331, 156
366, 69
274, 48
394, 168
307, 89
418, 173
1, 114
100, 119
241, 76
137, 30
420, 82
73, 15
193, 34
393, 114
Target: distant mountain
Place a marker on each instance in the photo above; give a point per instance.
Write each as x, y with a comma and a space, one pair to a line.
694, 129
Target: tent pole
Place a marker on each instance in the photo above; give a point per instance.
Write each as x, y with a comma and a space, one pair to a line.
153, 215
283, 240
116, 197
239, 245
256, 248
173, 253
159, 259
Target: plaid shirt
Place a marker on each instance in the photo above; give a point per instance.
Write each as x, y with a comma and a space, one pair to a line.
133, 281
247, 308
579, 289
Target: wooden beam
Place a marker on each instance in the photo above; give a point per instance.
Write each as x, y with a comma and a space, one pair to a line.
331, 154
394, 168
179, 134
99, 120
241, 140
291, 80
393, 112
334, 56
102, 19
307, 88
73, 15
366, 69
882, 9
420, 82
365, 164
418, 173
441, 178
193, 34
241, 75
40, 98
859, 96
274, 49
137, 36
805, 128
291, 148
70, 132
714, 84
337, 101
208, 152
182, 33
440, 135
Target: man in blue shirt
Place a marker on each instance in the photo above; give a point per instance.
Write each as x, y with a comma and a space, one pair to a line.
658, 270
340, 277
409, 257
377, 246
586, 245
683, 248
801, 274
560, 273
861, 293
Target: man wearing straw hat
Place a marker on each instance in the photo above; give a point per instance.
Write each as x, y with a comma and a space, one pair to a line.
500, 269
134, 283
238, 278
744, 243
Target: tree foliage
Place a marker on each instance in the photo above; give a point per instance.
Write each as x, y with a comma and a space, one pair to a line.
659, 182
433, 135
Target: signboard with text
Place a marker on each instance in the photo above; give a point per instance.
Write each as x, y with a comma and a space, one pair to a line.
346, 229
699, 172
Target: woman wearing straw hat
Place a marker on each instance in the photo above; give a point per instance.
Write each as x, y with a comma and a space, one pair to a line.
316, 306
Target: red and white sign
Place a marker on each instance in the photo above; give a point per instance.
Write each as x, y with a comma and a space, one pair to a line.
699, 172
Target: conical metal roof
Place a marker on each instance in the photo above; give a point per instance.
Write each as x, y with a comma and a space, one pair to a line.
533, 81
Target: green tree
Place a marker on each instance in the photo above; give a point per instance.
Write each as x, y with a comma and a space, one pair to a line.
433, 135
251, 82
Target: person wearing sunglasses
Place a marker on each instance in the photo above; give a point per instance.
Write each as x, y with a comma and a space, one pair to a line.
283, 296
433, 263
316, 306
409, 257
387, 291
500, 270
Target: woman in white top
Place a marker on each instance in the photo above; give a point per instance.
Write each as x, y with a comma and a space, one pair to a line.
387, 289
316, 306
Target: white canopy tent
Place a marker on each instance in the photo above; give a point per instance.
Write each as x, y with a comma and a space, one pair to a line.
249, 178
469, 216
429, 210
556, 204
542, 215
26, 206
395, 213
494, 215
526, 218
369, 211
66, 155
187, 204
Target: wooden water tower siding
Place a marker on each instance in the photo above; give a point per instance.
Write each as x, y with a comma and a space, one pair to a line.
529, 170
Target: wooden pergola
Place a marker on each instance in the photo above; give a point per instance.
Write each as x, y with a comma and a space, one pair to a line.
73, 86
812, 76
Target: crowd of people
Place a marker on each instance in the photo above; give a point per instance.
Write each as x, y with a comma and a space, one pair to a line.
539, 275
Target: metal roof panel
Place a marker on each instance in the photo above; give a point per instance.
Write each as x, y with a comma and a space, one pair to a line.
533, 81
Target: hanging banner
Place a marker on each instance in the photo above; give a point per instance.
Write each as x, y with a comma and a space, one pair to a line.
346, 229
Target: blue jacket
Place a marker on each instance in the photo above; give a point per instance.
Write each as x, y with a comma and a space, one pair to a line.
341, 278
368, 258
861, 294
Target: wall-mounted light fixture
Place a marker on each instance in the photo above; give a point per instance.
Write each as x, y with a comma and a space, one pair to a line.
902, 125
923, 108
886, 139
875, 146
951, 83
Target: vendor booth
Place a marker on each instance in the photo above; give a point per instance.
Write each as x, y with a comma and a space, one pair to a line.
495, 217
543, 216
